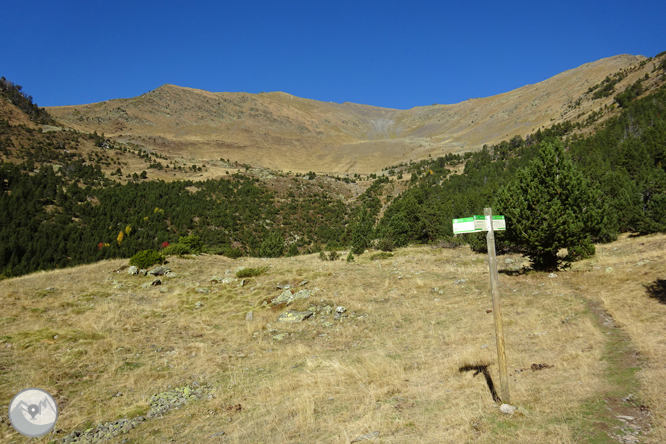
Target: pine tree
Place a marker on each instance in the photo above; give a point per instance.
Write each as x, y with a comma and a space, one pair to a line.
361, 232
550, 206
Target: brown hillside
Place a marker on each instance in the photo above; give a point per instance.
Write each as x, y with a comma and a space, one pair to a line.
285, 132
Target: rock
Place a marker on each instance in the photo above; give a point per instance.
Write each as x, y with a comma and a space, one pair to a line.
508, 260
552, 275
242, 283
215, 279
198, 305
288, 297
50, 289
220, 433
609, 270
159, 271
303, 282
280, 337
460, 281
249, 316
507, 409
228, 280
294, 316
340, 309
143, 272
202, 290
327, 324
170, 274
133, 270
156, 282
327, 310
366, 437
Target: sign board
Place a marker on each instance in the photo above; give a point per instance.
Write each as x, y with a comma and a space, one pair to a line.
477, 223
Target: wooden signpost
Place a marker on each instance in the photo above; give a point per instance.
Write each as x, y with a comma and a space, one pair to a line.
491, 223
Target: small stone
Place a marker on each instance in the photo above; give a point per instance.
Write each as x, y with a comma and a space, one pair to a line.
50, 289
552, 275
340, 309
507, 409
198, 305
303, 282
609, 270
242, 283
508, 260
460, 281
143, 272
484, 346
202, 290
249, 316
294, 316
133, 270
156, 282
220, 433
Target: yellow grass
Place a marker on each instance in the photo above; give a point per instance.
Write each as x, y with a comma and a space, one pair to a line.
390, 366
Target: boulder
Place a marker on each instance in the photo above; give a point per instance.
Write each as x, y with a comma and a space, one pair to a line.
294, 316
159, 271
288, 297
133, 270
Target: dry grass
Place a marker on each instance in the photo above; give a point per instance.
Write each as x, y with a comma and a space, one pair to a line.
390, 366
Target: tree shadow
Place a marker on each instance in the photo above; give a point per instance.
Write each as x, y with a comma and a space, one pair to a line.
519, 272
657, 290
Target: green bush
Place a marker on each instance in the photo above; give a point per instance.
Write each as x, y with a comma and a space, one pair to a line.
146, 258
176, 250
233, 253
192, 242
333, 256
272, 246
251, 272
293, 250
350, 257
386, 244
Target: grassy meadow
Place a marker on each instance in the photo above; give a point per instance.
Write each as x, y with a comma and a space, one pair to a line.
103, 344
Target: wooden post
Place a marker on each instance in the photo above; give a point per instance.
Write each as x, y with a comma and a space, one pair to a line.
497, 312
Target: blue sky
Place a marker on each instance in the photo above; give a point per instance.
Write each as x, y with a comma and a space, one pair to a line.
395, 54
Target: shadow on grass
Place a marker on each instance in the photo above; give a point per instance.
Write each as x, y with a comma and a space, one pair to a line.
519, 272
657, 290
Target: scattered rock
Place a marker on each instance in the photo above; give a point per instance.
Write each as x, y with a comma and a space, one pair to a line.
220, 433
460, 281
288, 297
133, 270
143, 272
170, 274
159, 271
303, 282
202, 290
294, 316
366, 437
340, 309
280, 337
215, 279
609, 270
508, 260
156, 282
50, 289
242, 283
198, 305
249, 316
228, 280
552, 275
507, 409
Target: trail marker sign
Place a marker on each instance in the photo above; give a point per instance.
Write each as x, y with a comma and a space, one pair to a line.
491, 223
474, 224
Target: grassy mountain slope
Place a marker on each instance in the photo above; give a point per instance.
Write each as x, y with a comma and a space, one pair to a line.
289, 133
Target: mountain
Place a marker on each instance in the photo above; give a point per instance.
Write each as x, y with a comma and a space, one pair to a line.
285, 132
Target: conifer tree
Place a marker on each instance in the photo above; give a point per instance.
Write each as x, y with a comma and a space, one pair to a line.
550, 206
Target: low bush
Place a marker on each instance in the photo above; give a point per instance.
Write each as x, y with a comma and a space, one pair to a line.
251, 272
146, 258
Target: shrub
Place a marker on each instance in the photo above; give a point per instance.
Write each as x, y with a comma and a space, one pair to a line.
293, 250
251, 272
176, 250
350, 257
233, 253
386, 244
146, 258
333, 256
272, 246
322, 256
192, 242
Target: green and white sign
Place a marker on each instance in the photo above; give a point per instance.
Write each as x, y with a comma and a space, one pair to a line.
477, 223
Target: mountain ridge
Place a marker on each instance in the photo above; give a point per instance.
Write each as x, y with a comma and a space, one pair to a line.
286, 132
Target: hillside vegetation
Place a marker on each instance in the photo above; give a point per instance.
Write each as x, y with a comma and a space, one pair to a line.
66, 199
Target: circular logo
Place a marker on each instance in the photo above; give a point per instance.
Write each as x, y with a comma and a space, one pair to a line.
33, 412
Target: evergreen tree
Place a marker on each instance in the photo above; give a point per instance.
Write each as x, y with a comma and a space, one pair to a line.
361, 232
272, 246
550, 206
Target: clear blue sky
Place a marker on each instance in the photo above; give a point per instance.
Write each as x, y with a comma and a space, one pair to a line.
396, 54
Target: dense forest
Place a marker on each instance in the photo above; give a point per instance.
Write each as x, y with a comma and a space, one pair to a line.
58, 208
